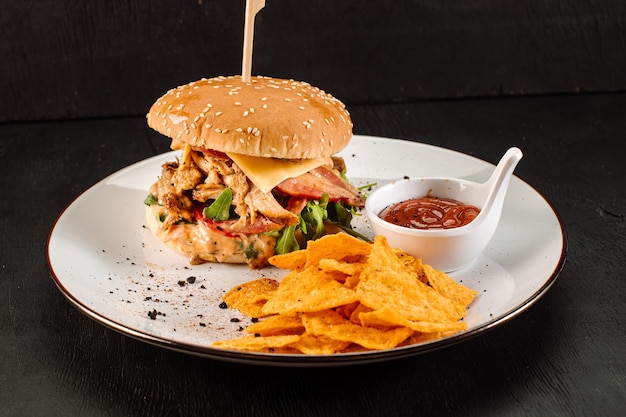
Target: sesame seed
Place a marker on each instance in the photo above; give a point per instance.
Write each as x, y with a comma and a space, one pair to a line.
274, 150
218, 130
301, 107
207, 126
237, 103
245, 113
218, 113
264, 106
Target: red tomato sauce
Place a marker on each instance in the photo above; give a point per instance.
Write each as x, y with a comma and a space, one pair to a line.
429, 213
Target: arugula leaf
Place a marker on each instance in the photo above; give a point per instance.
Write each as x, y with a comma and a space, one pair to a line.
150, 200
287, 242
313, 217
220, 208
250, 251
312, 225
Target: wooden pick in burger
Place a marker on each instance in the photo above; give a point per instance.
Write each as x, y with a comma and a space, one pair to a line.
252, 8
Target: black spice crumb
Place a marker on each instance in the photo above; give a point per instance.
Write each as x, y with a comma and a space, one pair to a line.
235, 320
191, 279
202, 325
147, 298
202, 286
223, 305
254, 319
182, 283
153, 314
257, 335
240, 329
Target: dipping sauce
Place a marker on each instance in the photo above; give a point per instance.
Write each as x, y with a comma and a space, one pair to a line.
429, 213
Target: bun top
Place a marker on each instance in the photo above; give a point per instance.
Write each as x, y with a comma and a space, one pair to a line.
266, 117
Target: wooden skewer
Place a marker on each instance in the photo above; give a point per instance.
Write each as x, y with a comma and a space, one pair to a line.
252, 8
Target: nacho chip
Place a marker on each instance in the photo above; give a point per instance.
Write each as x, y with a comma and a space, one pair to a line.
414, 265
344, 295
277, 325
309, 290
385, 318
318, 345
250, 297
360, 308
292, 261
448, 287
346, 310
343, 267
387, 282
257, 344
336, 246
330, 324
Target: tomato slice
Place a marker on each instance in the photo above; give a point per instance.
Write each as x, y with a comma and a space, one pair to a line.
225, 227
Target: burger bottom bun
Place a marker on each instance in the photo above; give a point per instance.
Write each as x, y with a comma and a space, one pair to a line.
201, 244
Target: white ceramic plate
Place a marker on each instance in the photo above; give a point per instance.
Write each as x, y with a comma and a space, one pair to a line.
108, 264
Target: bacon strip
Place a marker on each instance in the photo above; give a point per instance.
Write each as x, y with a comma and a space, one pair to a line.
320, 181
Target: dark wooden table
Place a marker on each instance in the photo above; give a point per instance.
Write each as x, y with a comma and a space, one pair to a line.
565, 355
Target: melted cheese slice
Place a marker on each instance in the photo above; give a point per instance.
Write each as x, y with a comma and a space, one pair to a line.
267, 173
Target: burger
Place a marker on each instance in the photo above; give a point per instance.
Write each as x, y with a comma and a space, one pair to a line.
257, 174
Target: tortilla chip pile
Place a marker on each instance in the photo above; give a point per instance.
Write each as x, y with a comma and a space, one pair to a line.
342, 294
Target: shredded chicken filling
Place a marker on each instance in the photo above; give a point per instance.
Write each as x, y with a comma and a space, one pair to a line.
203, 177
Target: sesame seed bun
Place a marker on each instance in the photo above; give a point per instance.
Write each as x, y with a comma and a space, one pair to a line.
266, 117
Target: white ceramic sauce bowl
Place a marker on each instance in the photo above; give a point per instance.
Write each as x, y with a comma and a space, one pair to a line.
445, 249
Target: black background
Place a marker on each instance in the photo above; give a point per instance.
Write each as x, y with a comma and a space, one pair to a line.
78, 59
